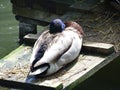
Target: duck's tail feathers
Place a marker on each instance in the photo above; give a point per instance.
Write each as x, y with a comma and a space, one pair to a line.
39, 71
34, 75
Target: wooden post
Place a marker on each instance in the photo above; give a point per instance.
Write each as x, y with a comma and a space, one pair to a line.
25, 28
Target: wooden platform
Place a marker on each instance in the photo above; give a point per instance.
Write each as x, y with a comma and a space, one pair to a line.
15, 66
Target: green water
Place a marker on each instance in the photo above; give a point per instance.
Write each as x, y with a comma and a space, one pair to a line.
8, 28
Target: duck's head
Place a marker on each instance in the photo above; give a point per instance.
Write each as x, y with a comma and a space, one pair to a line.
56, 25
74, 25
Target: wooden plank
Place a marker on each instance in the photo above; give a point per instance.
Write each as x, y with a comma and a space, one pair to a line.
91, 68
21, 3
85, 5
54, 6
23, 86
21, 54
41, 15
65, 2
31, 21
15, 66
70, 16
101, 48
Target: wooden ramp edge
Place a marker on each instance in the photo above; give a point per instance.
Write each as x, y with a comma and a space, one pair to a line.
102, 48
67, 78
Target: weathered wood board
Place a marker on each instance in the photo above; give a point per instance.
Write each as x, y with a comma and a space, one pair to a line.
15, 66
101, 48
34, 14
85, 5
49, 10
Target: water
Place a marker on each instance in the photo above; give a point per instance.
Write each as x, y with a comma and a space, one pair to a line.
108, 78
8, 28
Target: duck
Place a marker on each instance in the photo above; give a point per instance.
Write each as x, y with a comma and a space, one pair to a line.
55, 48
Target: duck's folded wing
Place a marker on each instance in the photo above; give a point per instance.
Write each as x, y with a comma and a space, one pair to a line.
38, 47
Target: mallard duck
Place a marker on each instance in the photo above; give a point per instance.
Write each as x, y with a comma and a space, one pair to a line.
55, 48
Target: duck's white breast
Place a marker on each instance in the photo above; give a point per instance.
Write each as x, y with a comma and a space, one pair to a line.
55, 49
74, 50
63, 49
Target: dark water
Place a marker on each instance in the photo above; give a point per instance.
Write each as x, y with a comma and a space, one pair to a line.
107, 78
8, 29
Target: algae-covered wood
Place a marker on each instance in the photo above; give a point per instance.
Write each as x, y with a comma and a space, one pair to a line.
15, 66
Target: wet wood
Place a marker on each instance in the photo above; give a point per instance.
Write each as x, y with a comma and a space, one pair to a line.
15, 66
